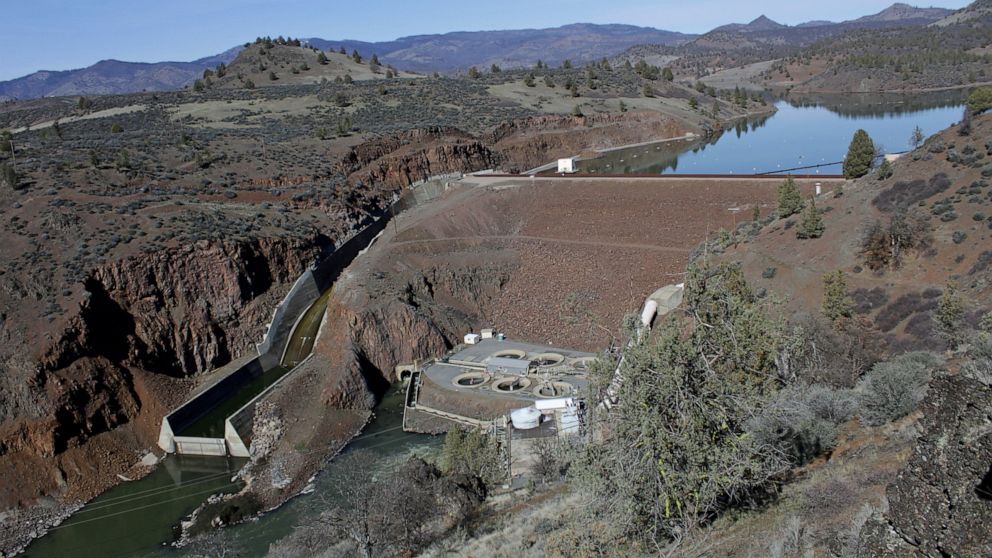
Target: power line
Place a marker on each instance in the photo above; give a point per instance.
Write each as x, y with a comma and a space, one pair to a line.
102, 517
117, 501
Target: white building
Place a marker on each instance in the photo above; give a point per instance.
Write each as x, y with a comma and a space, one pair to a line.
567, 165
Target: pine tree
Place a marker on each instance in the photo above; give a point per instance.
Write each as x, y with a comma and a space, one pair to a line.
667, 74
811, 225
321, 58
860, 155
473, 73
790, 201
836, 301
529, 80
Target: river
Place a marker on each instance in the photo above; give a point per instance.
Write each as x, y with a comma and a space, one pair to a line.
802, 133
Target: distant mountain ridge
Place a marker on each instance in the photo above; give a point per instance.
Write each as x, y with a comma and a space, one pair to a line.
580, 43
457, 51
108, 77
460, 50
777, 39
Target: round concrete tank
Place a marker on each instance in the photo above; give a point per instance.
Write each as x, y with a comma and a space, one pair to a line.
526, 418
647, 315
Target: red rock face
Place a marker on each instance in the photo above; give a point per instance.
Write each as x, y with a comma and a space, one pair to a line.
531, 142
173, 313
402, 159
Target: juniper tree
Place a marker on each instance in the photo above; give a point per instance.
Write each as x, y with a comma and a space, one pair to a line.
950, 313
860, 155
811, 224
980, 100
676, 450
837, 302
790, 201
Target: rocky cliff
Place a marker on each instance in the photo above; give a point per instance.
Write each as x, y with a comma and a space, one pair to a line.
401, 159
142, 324
941, 503
530, 142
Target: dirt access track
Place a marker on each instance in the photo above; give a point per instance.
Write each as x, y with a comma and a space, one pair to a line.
574, 254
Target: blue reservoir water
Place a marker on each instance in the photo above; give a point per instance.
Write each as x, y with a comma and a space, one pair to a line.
795, 136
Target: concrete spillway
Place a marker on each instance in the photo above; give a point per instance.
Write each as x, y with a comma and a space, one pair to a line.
218, 419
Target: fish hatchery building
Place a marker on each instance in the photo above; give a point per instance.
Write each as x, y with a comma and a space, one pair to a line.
520, 392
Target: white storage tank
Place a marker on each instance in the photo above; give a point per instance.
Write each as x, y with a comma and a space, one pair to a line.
526, 418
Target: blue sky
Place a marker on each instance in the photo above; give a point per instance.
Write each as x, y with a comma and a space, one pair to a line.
64, 34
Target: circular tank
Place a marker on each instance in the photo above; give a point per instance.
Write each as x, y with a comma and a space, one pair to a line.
470, 379
510, 353
548, 359
526, 418
550, 390
511, 384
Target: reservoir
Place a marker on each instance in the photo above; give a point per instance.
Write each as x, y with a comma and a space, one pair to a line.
800, 134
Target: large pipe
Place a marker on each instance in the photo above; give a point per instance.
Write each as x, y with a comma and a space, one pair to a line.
649, 312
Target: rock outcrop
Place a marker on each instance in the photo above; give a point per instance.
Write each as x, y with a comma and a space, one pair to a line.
941, 503
530, 142
401, 159
169, 314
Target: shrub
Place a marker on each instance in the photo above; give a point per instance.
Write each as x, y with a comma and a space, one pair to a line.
893, 389
471, 452
903, 195
883, 245
885, 170
903, 307
802, 421
959, 236
866, 300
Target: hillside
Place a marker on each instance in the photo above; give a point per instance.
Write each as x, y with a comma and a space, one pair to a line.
111, 77
264, 65
954, 52
752, 47
580, 43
